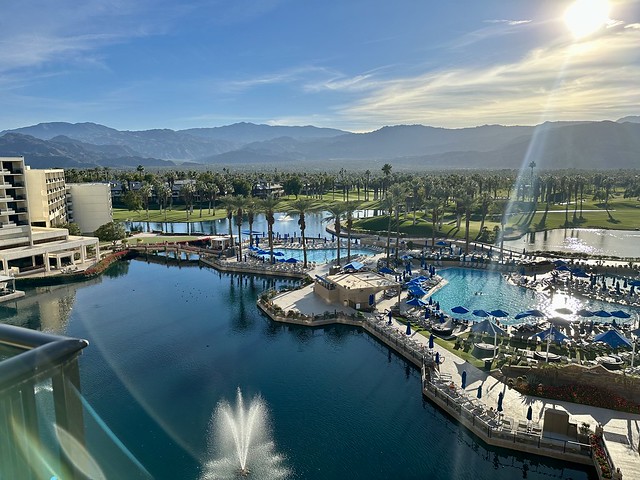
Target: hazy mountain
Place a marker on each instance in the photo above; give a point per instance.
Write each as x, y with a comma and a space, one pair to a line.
243, 133
560, 145
63, 152
630, 118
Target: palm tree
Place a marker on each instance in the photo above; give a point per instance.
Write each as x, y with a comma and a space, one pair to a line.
388, 205
163, 192
250, 209
302, 206
398, 194
386, 170
435, 206
336, 211
468, 203
268, 206
350, 208
239, 203
485, 204
186, 192
228, 205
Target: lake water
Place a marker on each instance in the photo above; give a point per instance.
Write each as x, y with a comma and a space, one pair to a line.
168, 343
593, 241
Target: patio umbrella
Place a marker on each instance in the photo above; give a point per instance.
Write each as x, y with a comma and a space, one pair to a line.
417, 291
613, 338
464, 379
564, 311
634, 283
551, 335
500, 398
559, 322
291, 260
442, 243
481, 313
620, 314
499, 313
529, 313
460, 310
487, 326
584, 313
437, 358
479, 394
278, 254
431, 341
386, 270
430, 301
529, 413
563, 268
416, 302
602, 314
408, 327
557, 263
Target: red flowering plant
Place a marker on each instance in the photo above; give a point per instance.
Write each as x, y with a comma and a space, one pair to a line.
600, 456
103, 264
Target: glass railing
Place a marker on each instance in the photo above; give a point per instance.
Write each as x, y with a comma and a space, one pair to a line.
48, 428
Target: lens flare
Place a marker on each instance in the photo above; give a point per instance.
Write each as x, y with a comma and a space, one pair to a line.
585, 17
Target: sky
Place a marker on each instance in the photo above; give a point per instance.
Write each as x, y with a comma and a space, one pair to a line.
356, 65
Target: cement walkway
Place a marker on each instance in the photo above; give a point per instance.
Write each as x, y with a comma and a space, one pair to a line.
621, 430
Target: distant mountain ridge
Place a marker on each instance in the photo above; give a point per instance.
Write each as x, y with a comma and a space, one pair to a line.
552, 145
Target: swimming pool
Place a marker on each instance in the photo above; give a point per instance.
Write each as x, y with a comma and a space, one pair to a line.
487, 290
322, 255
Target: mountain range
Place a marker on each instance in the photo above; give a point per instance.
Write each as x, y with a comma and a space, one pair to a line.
552, 145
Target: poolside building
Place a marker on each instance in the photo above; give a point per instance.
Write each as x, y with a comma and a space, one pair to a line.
357, 290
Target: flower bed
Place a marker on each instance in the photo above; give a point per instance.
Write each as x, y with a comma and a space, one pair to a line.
583, 394
601, 459
105, 263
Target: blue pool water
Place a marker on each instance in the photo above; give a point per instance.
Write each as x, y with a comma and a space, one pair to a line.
487, 290
168, 343
322, 255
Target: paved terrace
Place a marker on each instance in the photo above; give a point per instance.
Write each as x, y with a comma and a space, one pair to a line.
621, 430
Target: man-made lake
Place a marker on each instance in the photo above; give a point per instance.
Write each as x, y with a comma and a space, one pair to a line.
593, 241
167, 344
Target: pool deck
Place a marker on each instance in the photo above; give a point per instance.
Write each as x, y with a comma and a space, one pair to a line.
621, 430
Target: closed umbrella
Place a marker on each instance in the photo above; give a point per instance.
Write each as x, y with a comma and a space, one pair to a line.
431, 341
437, 358
464, 379
389, 314
529, 413
408, 327
479, 394
500, 398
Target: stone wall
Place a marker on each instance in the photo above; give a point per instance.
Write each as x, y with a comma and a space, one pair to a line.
626, 386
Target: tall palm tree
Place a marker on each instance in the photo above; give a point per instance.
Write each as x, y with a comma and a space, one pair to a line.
398, 195
387, 204
187, 192
250, 209
468, 203
301, 207
336, 212
268, 206
435, 205
239, 203
228, 204
386, 170
350, 208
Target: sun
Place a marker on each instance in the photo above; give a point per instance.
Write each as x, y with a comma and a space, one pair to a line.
584, 17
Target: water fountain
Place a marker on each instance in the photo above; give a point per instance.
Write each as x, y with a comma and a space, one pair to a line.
240, 443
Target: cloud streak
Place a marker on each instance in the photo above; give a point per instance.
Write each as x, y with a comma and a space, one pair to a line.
591, 80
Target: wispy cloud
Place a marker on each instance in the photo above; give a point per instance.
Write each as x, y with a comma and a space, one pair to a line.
508, 22
591, 80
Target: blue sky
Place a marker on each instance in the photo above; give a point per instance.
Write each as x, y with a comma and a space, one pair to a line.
356, 65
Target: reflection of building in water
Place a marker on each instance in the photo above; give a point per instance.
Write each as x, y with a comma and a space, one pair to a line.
45, 308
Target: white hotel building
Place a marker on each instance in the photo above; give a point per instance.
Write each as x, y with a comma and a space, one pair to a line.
29, 249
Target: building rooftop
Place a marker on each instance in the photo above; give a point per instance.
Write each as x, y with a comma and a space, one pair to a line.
361, 281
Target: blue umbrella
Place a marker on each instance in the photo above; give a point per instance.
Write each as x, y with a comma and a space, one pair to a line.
563, 268
580, 274
634, 283
291, 260
408, 327
437, 358
613, 338
584, 313
602, 314
557, 263
499, 313
487, 326
551, 332
417, 291
416, 302
278, 254
479, 394
529, 313
430, 301
460, 310
431, 341
386, 270
481, 313
529, 413
464, 379
620, 314
500, 398
442, 243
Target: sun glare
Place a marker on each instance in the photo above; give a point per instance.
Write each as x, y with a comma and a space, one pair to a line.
584, 17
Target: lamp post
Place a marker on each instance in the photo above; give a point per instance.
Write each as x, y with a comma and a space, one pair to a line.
550, 338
